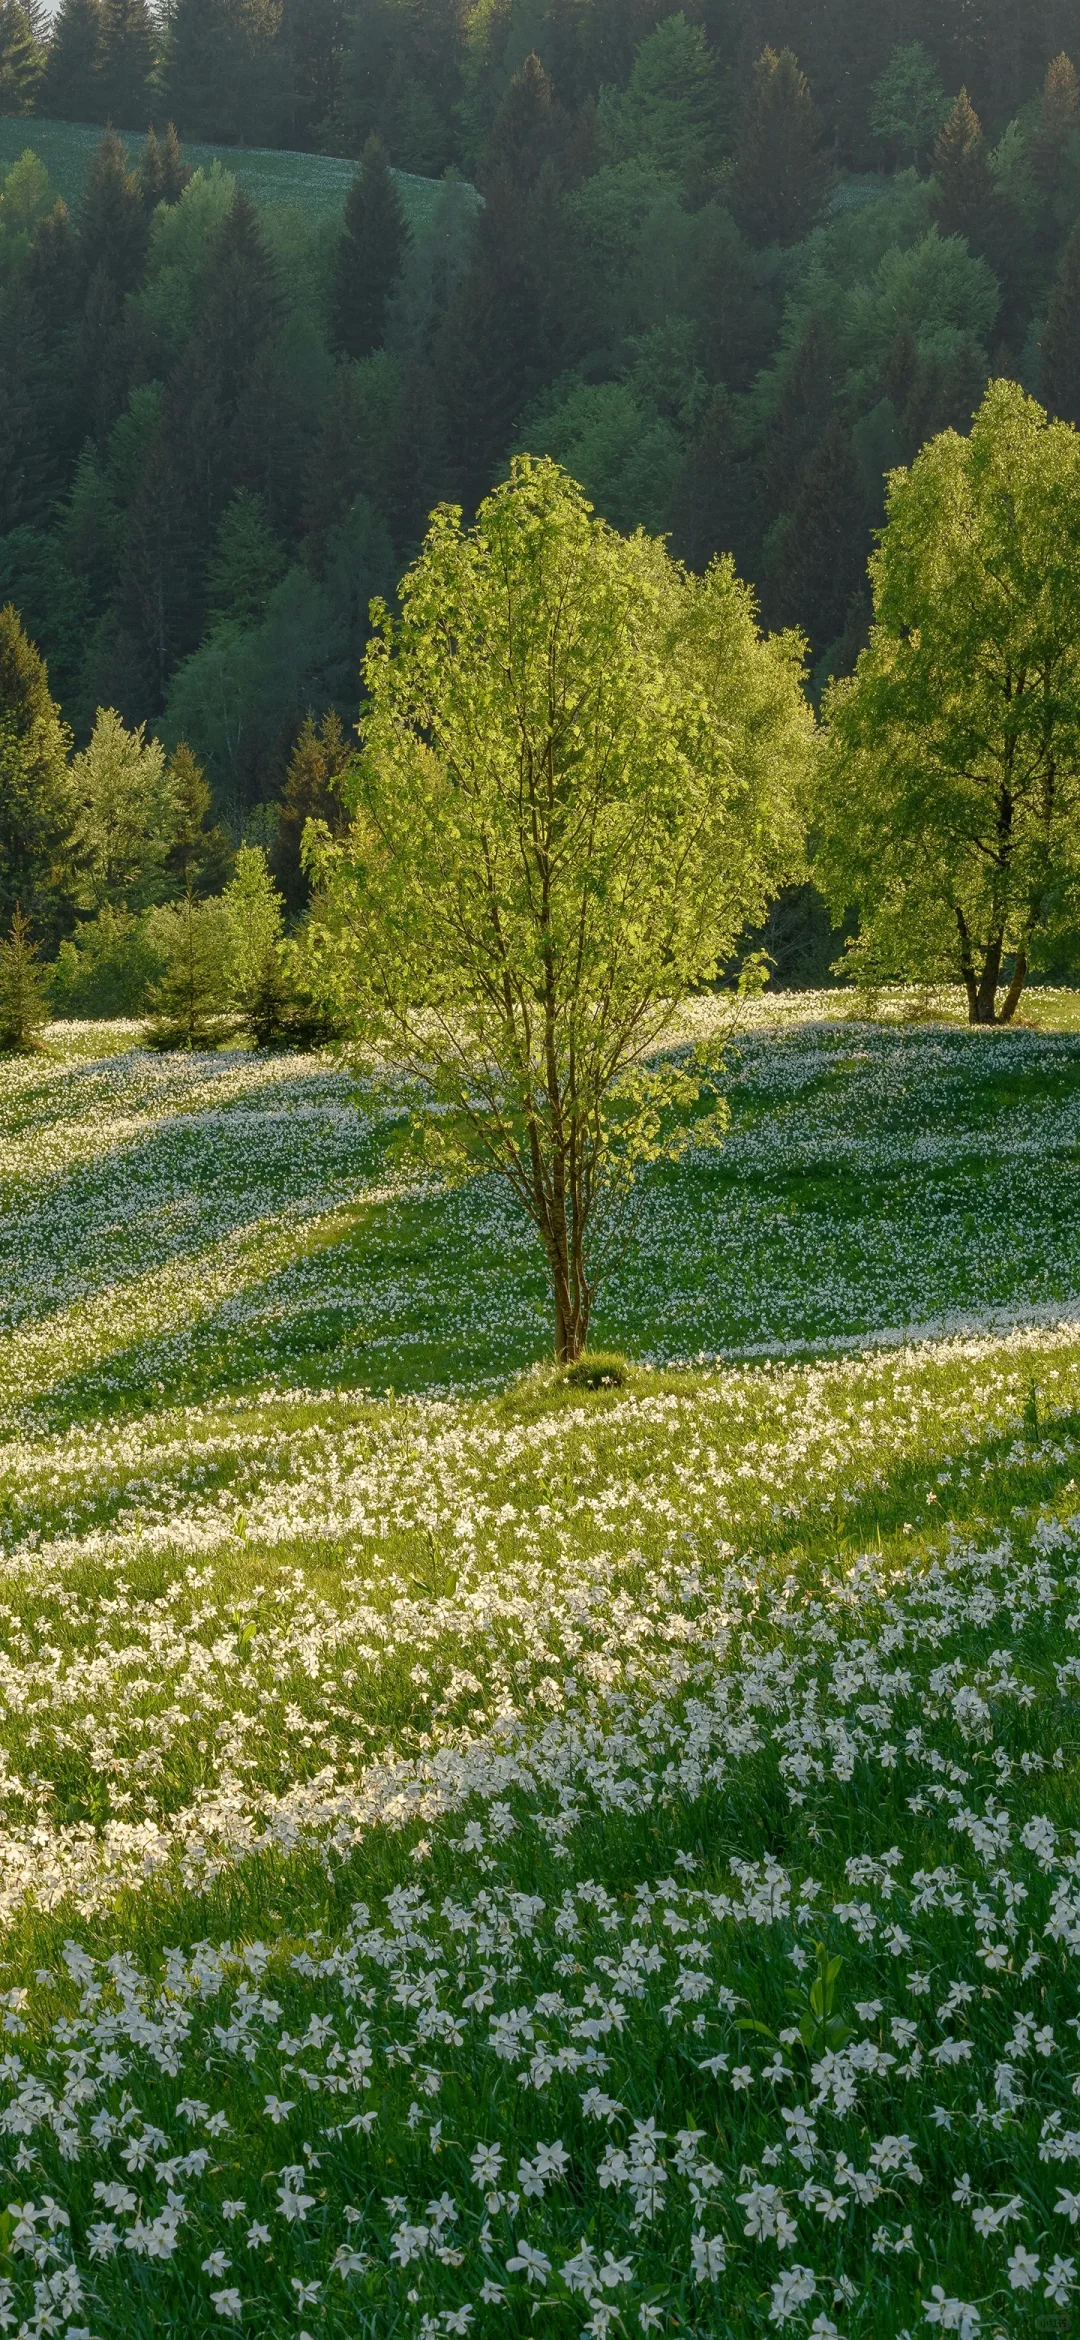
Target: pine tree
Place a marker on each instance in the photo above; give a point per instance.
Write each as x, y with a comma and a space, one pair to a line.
312, 45
370, 257
821, 548
126, 62
528, 128
35, 791
1061, 337
258, 985
24, 1007
22, 60
780, 173
70, 86
246, 564
163, 174
1059, 118
219, 69
112, 219
199, 859
229, 423
321, 755
965, 199
188, 1002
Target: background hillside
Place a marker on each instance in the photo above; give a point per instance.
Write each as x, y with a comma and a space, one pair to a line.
731, 264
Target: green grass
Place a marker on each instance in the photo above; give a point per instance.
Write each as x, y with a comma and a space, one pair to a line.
314, 184
390, 1781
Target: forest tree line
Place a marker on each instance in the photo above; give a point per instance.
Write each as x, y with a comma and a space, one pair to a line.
728, 266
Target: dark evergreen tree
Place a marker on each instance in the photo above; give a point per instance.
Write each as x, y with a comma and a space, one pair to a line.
322, 754
820, 550
529, 128
112, 219
24, 1005
1061, 337
311, 48
780, 172
1059, 119
964, 196
125, 62
35, 799
220, 71
163, 174
370, 257
200, 857
69, 88
805, 406
22, 60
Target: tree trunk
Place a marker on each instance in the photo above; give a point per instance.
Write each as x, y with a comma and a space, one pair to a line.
1012, 997
986, 996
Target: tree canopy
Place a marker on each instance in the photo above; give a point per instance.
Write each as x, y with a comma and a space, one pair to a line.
948, 803
578, 781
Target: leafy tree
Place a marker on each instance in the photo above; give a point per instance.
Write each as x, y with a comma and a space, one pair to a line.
121, 830
107, 969
69, 89
22, 60
24, 1005
780, 172
575, 787
125, 62
626, 458
1061, 337
910, 104
949, 797
35, 791
370, 257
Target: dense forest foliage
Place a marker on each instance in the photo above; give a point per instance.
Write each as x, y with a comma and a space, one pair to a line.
728, 265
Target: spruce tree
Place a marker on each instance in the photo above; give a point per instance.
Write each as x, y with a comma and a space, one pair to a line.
200, 857
126, 62
70, 86
821, 547
163, 174
1059, 118
187, 1003
22, 60
964, 197
246, 564
24, 1007
781, 174
322, 754
1061, 338
35, 790
219, 68
370, 257
112, 219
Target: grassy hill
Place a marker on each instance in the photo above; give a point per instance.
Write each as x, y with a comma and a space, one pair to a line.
316, 184
599, 1861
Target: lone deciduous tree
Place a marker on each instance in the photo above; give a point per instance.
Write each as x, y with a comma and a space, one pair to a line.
576, 785
948, 808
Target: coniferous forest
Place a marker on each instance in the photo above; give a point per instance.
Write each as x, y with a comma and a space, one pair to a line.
728, 265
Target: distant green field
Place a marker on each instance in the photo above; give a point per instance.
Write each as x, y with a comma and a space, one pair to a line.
314, 183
